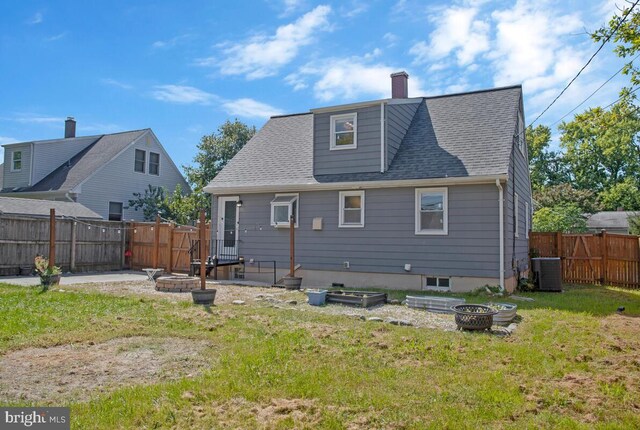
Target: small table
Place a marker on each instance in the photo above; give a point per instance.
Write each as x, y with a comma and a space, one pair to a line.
151, 273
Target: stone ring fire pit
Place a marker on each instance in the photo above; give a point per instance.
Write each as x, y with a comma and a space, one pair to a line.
474, 317
177, 284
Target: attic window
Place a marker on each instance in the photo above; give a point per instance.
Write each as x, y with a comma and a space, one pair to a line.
282, 207
344, 131
140, 160
154, 163
16, 161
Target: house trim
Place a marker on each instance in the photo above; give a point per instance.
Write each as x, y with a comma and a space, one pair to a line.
356, 185
445, 212
12, 160
365, 104
333, 146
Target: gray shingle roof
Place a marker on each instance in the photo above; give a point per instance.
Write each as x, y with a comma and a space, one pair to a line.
86, 162
40, 208
610, 219
460, 135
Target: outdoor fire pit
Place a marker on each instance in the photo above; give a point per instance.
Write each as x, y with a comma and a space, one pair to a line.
363, 299
177, 284
474, 317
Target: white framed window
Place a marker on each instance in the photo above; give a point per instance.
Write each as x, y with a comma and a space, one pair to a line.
527, 219
344, 131
437, 283
16, 161
351, 209
282, 207
140, 161
431, 211
115, 211
516, 209
154, 163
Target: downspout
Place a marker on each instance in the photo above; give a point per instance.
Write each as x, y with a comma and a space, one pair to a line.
33, 154
501, 224
383, 152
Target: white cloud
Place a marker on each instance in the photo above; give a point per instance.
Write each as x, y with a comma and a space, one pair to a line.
457, 31
390, 39
182, 94
351, 78
263, 56
291, 6
116, 83
37, 18
170, 43
353, 8
28, 118
249, 108
56, 37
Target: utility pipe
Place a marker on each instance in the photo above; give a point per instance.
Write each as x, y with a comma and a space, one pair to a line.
501, 223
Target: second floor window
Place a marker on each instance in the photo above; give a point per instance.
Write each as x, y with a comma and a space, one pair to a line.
344, 131
16, 161
154, 163
141, 157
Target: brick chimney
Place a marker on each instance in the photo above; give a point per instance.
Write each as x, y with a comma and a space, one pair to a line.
399, 85
69, 127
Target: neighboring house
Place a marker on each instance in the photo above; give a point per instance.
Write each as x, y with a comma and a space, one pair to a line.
611, 221
101, 172
41, 209
412, 193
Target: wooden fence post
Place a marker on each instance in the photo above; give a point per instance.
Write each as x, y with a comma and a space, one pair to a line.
203, 251
156, 243
560, 251
52, 237
170, 250
605, 257
72, 251
123, 244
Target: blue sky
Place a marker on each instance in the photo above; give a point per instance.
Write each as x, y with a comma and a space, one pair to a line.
183, 68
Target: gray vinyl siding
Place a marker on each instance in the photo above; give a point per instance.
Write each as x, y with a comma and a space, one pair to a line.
388, 240
517, 248
364, 158
21, 178
50, 156
117, 181
398, 119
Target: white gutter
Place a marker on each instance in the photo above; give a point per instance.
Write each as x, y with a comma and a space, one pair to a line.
313, 185
383, 166
501, 224
31, 164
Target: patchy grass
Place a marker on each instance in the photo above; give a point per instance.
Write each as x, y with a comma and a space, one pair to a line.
572, 363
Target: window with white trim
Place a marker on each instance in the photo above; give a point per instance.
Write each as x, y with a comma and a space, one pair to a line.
344, 131
431, 211
516, 208
115, 211
351, 209
16, 161
140, 160
154, 163
282, 207
437, 283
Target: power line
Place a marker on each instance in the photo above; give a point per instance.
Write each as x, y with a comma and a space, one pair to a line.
604, 42
593, 93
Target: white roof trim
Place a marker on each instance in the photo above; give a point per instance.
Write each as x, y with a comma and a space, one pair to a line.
357, 185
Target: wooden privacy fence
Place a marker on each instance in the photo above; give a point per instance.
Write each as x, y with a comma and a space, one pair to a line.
162, 245
79, 246
601, 258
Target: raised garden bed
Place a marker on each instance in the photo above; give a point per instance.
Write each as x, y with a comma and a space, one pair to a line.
506, 312
434, 304
363, 299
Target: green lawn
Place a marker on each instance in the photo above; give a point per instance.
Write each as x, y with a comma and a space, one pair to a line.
572, 363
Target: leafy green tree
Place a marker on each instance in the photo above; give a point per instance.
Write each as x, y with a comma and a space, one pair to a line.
546, 167
557, 195
624, 195
566, 217
153, 202
214, 152
634, 224
601, 146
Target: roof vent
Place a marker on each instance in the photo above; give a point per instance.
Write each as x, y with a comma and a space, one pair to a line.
69, 127
399, 85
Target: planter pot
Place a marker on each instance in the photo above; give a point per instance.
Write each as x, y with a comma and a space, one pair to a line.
506, 312
292, 282
48, 281
317, 297
203, 297
363, 299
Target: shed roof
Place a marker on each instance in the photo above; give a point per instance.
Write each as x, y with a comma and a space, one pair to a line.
40, 208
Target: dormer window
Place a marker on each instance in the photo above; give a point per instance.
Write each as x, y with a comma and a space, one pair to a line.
16, 161
344, 131
282, 207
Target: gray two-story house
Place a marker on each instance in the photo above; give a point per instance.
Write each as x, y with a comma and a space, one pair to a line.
411, 193
101, 172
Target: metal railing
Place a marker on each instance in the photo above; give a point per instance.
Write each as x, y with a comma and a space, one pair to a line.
220, 249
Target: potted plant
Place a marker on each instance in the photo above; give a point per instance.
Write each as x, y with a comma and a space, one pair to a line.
49, 275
